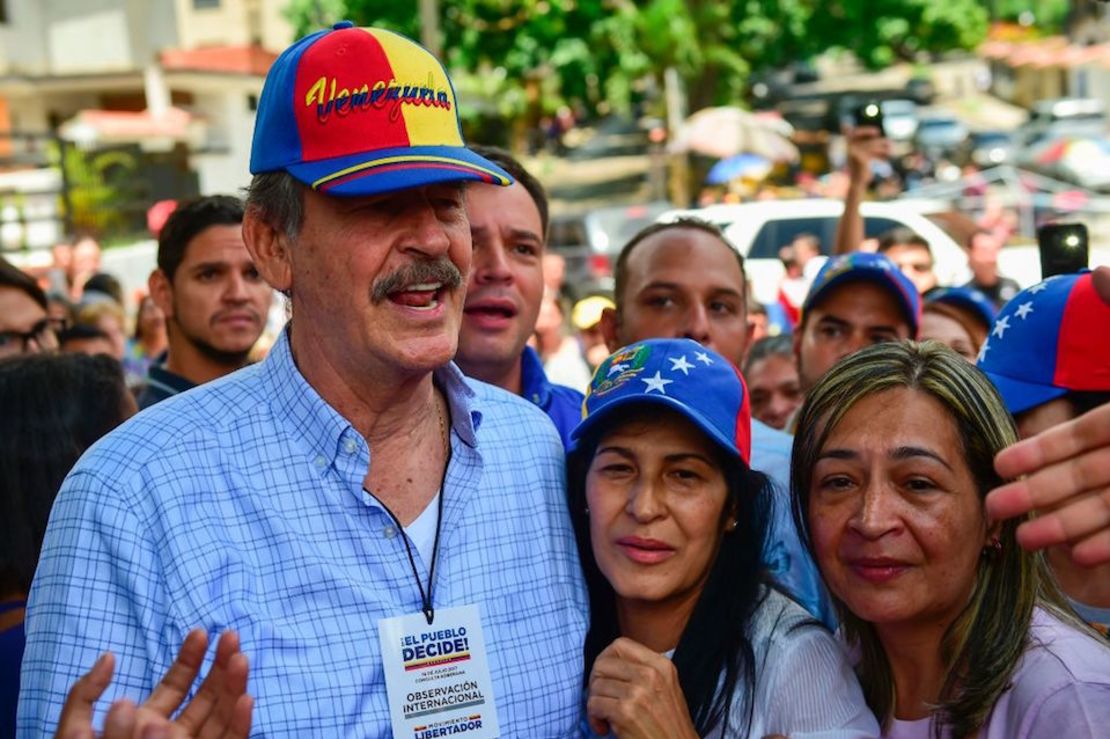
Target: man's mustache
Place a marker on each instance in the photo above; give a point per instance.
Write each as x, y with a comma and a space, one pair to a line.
441, 270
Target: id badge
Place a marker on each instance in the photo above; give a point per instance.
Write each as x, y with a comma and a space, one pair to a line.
437, 677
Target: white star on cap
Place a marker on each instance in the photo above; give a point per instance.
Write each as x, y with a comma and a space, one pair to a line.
1000, 327
983, 350
656, 383
703, 357
616, 367
1024, 310
681, 364
1038, 287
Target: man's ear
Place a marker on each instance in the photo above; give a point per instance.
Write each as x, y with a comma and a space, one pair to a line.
610, 325
161, 291
269, 250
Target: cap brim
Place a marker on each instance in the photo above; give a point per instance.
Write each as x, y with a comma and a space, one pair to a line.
875, 277
1020, 396
588, 426
388, 170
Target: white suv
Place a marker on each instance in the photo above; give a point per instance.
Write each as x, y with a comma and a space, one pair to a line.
760, 229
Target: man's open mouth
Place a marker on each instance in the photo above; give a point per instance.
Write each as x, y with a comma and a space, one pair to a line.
422, 296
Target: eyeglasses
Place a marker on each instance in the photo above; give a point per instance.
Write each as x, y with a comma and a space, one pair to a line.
19, 342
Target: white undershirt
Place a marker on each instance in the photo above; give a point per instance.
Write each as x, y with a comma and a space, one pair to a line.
422, 531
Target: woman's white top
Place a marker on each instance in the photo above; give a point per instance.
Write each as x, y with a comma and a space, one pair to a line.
804, 684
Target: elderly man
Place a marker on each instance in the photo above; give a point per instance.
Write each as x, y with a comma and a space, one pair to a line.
353, 506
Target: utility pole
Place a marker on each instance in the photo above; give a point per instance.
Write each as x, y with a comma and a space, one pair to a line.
429, 27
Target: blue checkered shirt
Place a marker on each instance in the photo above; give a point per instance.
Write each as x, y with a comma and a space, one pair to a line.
239, 505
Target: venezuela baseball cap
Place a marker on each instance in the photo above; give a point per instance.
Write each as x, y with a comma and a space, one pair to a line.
679, 374
363, 111
1048, 340
859, 266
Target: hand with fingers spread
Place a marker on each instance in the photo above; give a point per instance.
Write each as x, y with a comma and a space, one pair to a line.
1067, 483
634, 692
221, 708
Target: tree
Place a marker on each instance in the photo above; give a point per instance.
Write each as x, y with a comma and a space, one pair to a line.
531, 56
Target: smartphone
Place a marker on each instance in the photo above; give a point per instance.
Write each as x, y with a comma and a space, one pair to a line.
869, 114
1063, 247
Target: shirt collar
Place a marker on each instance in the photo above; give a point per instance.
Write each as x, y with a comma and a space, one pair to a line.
322, 427
534, 385
170, 382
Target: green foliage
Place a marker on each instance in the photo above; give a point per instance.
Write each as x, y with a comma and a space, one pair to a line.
881, 32
1048, 15
99, 182
605, 51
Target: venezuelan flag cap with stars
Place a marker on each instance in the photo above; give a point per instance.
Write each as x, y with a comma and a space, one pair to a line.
1050, 339
677, 374
363, 111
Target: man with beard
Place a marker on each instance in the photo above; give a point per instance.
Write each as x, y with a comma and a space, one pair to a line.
214, 300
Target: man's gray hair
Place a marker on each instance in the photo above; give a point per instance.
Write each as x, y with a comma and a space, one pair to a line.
278, 199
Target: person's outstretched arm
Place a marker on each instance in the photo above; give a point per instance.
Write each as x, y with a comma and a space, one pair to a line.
864, 144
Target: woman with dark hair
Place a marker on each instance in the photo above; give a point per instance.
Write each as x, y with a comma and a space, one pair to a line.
148, 342
687, 638
54, 407
960, 632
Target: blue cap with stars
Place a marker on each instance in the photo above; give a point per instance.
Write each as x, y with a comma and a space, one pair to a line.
679, 374
1049, 340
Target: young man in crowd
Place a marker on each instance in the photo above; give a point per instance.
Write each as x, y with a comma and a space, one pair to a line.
911, 253
25, 327
214, 300
857, 300
508, 227
352, 496
1049, 356
982, 257
683, 279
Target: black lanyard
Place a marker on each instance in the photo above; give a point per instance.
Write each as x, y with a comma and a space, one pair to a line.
426, 595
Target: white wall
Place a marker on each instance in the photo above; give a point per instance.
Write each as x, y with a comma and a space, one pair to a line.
234, 22
45, 37
231, 125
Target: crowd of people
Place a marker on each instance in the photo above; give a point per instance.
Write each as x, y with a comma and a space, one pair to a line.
397, 522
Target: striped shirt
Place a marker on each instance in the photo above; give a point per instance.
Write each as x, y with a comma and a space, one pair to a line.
239, 505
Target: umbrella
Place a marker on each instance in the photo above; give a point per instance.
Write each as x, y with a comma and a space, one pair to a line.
741, 165
725, 131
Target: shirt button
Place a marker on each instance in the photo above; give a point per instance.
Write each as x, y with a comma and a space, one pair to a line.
389, 532
349, 446
320, 462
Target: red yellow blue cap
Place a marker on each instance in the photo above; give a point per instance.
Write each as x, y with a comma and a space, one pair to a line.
363, 111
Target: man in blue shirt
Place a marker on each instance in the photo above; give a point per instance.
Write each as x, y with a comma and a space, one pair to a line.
684, 280
354, 484
509, 228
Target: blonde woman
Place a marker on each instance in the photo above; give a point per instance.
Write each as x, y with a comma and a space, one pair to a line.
959, 632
